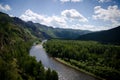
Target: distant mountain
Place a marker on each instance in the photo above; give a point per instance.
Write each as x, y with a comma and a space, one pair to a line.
107, 36
60, 32
47, 32
43, 31
29, 26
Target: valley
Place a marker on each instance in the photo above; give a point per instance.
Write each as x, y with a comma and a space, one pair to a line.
97, 53
64, 72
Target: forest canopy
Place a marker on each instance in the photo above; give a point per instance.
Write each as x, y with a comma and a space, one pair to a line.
100, 59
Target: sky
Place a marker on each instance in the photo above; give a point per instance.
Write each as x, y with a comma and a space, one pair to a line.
94, 15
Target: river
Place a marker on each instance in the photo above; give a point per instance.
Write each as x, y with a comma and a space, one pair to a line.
64, 72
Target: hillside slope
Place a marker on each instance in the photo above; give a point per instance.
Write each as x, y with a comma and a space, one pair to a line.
107, 36
47, 32
15, 62
60, 32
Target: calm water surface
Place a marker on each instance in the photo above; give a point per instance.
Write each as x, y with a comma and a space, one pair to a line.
64, 72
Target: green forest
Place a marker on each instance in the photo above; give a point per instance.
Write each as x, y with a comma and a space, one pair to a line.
102, 60
15, 61
17, 37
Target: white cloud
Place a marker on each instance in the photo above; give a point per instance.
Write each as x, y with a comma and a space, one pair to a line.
102, 1
112, 13
73, 15
89, 27
70, 1
61, 21
76, 0
5, 7
54, 21
65, 1
31, 16
11, 15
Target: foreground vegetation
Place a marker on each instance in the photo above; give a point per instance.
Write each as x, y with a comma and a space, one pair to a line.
99, 59
15, 61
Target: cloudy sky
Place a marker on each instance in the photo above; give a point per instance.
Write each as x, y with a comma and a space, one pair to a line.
76, 14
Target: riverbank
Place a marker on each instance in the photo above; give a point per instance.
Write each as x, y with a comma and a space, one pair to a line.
74, 67
64, 72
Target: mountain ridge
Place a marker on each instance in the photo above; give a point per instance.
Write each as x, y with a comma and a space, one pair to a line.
48, 32
106, 36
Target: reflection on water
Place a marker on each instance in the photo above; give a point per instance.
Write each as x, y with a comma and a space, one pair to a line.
64, 72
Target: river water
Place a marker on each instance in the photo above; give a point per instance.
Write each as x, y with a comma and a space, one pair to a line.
64, 72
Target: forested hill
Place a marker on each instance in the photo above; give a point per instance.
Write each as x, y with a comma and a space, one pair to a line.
15, 62
60, 32
31, 28
43, 31
107, 36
